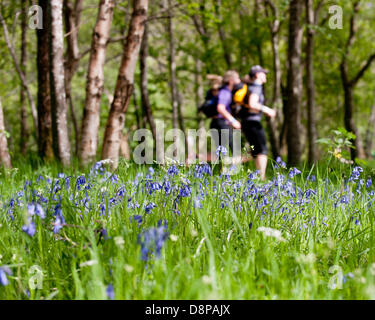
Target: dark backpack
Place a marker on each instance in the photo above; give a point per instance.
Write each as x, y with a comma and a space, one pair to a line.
209, 107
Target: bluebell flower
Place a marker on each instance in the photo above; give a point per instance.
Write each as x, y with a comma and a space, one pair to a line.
37, 209
4, 271
58, 224
293, 172
280, 163
152, 241
29, 228
221, 150
138, 218
173, 171
355, 174
61, 175
149, 207
368, 183
110, 292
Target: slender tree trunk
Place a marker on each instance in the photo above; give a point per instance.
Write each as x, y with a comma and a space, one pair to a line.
58, 95
4, 151
144, 83
199, 92
24, 126
20, 73
358, 151
350, 83
310, 87
370, 133
125, 83
294, 89
95, 82
172, 66
223, 38
44, 93
72, 17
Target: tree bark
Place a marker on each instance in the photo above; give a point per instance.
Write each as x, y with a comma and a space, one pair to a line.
223, 38
125, 83
310, 87
72, 17
294, 88
20, 73
4, 151
44, 92
172, 67
58, 96
350, 84
95, 82
370, 133
24, 126
144, 83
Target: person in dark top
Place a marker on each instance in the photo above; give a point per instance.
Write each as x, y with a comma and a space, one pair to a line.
224, 119
251, 116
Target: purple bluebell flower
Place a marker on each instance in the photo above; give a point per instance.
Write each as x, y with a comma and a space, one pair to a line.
368, 183
280, 163
173, 170
29, 228
221, 150
293, 172
152, 241
149, 207
58, 224
4, 271
110, 292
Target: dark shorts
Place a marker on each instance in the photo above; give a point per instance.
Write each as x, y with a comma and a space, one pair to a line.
220, 124
256, 137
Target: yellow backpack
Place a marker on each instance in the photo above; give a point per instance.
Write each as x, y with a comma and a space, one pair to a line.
240, 95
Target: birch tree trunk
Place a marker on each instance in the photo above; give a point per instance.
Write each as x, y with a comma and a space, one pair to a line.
44, 91
294, 88
95, 82
24, 126
4, 152
58, 96
125, 83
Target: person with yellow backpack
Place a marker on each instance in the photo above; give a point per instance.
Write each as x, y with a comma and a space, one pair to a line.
249, 99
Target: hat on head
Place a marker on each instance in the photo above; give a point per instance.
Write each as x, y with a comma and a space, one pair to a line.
255, 69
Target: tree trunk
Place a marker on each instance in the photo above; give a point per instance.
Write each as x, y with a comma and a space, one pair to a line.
172, 67
294, 89
72, 17
20, 73
358, 151
58, 96
370, 133
44, 93
4, 152
144, 83
199, 92
125, 83
95, 82
24, 126
310, 87
226, 49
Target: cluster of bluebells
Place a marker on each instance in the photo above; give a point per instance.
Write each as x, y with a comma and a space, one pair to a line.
152, 240
44, 203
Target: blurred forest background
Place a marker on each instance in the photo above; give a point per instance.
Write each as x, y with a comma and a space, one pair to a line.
321, 78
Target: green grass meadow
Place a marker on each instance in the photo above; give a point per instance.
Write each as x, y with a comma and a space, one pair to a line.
178, 232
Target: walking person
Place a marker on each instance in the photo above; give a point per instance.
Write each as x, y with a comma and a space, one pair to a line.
251, 115
224, 118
